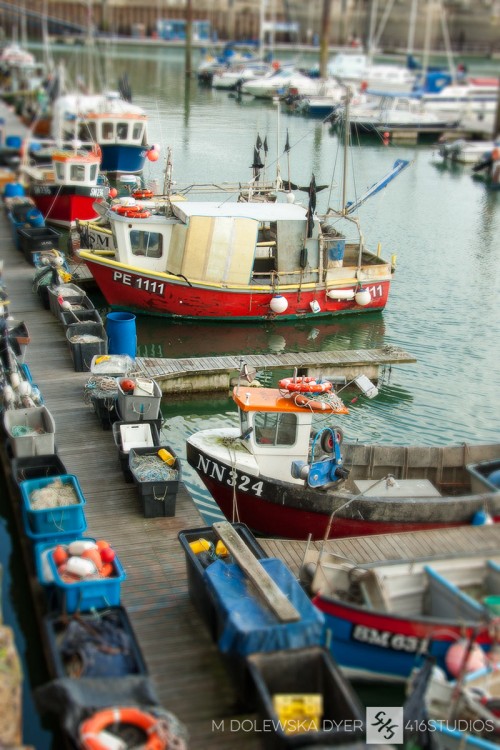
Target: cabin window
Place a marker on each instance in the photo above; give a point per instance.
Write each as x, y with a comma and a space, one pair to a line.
122, 131
77, 173
149, 244
59, 170
108, 131
137, 131
93, 172
275, 428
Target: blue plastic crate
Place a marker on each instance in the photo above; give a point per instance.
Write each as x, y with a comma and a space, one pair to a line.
67, 519
59, 537
41, 551
86, 595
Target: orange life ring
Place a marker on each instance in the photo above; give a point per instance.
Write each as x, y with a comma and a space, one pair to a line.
141, 215
311, 403
142, 194
304, 385
96, 149
91, 727
124, 210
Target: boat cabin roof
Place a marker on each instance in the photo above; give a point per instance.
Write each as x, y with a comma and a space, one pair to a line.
257, 211
264, 399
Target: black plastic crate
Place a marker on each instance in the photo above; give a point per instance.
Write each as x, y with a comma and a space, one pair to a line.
56, 625
81, 316
158, 498
196, 564
82, 353
34, 467
35, 239
105, 408
123, 455
305, 671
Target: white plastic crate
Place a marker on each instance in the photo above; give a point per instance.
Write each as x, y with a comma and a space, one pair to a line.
136, 436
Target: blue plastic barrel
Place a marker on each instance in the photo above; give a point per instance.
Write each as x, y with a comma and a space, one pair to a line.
122, 335
13, 190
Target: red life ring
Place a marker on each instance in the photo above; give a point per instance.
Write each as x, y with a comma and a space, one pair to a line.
142, 194
90, 729
311, 403
304, 385
141, 215
124, 210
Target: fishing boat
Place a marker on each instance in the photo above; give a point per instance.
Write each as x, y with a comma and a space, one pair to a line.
248, 256
383, 617
118, 127
69, 188
284, 471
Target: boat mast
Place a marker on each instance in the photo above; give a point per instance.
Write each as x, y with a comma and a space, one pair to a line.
410, 45
347, 133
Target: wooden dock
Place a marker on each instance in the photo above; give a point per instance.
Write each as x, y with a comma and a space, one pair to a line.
184, 665
198, 374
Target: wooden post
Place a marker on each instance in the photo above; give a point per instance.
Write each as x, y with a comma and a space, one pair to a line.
496, 122
325, 39
189, 35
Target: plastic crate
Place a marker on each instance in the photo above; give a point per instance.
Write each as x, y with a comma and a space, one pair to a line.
34, 467
141, 436
35, 239
38, 424
158, 498
56, 625
67, 519
114, 365
305, 671
82, 316
132, 407
70, 293
480, 474
41, 551
196, 564
84, 596
105, 408
82, 353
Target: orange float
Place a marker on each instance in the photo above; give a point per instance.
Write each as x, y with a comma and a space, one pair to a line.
91, 728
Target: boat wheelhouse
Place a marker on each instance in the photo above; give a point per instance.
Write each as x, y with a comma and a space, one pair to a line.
68, 189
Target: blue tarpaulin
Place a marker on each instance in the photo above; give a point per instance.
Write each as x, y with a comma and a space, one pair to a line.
249, 625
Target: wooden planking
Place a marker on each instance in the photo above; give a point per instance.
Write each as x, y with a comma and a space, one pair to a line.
409, 545
164, 368
184, 664
260, 579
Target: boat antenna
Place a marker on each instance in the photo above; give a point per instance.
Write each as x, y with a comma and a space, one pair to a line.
287, 152
167, 184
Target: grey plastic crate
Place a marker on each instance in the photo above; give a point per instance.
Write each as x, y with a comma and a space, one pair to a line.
84, 316
82, 352
31, 431
480, 474
133, 407
158, 498
71, 293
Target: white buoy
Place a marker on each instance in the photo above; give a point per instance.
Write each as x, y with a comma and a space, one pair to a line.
278, 304
24, 388
340, 293
363, 297
15, 380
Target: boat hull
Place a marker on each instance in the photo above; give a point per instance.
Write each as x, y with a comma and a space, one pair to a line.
161, 294
296, 511
120, 158
64, 204
372, 645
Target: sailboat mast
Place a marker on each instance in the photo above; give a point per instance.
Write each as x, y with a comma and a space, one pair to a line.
410, 45
347, 133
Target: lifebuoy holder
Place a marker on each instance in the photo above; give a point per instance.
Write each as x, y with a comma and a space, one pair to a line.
304, 385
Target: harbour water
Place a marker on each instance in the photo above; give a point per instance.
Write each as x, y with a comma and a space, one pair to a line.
443, 308
443, 227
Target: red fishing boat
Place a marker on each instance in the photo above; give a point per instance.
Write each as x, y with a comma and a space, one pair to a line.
68, 189
284, 476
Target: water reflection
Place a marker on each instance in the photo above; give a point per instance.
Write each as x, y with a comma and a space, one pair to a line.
164, 338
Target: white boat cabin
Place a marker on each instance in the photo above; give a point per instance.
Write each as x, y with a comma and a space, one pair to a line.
221, 243
78, 169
